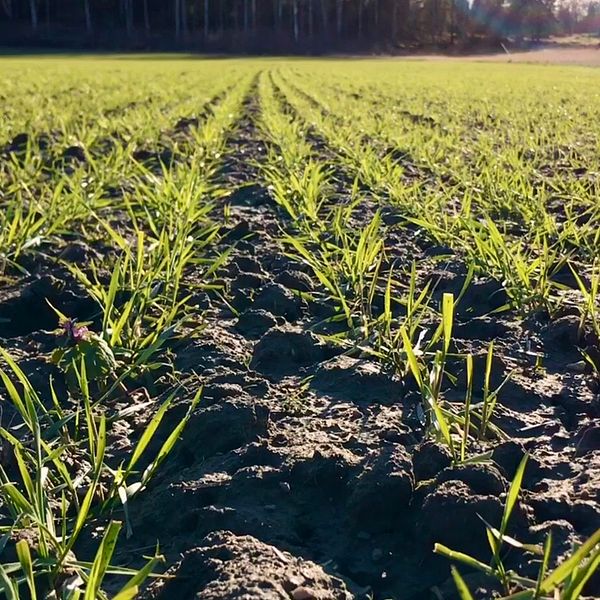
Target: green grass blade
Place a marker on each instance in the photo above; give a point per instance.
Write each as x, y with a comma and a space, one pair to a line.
463, 558
461, 586
513, 494
172, 439
149, 433
565, 569
24, 555
127, 594
577, 584
447, 319
545, 563
9, 587
102, 560
412, 359
145, 572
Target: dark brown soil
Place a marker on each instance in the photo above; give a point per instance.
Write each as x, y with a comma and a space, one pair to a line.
305, 473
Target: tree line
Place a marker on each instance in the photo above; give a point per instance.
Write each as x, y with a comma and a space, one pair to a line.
273, 25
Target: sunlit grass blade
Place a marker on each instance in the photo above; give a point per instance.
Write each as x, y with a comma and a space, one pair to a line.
26, 561
102, 560
513, 494
461, 586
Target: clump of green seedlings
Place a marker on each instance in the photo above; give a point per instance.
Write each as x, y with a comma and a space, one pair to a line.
145, 301
66, 487
63, 482
458, 428
590, 315
566, 581
346, 262
490, 192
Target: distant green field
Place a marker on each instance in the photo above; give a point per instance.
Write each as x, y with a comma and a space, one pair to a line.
425, 205
453, 145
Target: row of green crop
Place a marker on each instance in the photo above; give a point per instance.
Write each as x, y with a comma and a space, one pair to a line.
42, 198
67, 483
385, 312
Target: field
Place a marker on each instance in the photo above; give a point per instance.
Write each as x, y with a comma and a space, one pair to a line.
583, 56
308, 329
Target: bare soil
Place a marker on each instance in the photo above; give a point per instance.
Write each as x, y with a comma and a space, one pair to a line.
588, 56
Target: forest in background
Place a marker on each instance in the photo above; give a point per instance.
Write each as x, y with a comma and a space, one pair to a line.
290, 25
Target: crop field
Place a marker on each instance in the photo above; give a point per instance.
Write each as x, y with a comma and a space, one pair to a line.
305, 329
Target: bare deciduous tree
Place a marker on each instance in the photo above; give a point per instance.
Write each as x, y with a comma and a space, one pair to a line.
146, 18
177, 7
206, 16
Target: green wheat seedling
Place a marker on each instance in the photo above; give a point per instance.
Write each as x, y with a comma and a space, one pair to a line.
72, 579
387, 338
34, 212
302, 194
347, 264
429, 379
149, 277
125, 325
589, 313
456, 427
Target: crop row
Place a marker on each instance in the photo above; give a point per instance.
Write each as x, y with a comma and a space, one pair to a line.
133, 233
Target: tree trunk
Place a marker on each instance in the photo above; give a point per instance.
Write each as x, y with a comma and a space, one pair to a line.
295, 17
177, 19
34, 16
339, 15
280, 12
206, 7
254, 16
146, 18
7, 6
88, 16
129, 17
246, 17
360, 18
310, 18
324, 16
234, 16
184, 18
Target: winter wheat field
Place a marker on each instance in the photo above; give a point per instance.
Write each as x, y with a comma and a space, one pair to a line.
299, 329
